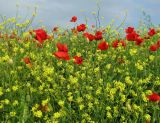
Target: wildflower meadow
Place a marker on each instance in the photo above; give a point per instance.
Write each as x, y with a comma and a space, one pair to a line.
83, 74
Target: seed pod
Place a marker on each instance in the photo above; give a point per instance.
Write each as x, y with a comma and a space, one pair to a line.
28, 98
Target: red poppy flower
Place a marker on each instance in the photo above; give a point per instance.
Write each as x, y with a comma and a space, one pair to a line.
148, 121
154, 97
153, 47
81, 28
129, 30
98, 35
27, 60
132, 36
44, 108
62, 55
5, 36
89, 36
13, 35
139, 41
93, 26
121, 60
103, 45
123, 43
115, 44
158, 44
39, 45
40, 35
151, 32
74, 30
74, 19
85, 34
78, 60
62, 47
55, 29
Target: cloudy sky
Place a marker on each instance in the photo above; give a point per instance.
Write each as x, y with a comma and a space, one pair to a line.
59, 12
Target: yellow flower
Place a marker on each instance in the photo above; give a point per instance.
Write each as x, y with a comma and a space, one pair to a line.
34, 14
144, 97
147, 117
1, 105
15, 88
139, 66
25, 34
90, 105
70, 98
79, 99
79, 54
44, 102
69, 94
148, 92
133, 93
83, 121
10, 61
12, 114
128, 106
98, 91
132, 51
99, 58
27, 45
109, 115
93, 13
35, 107
48, 71
61, 103
22, 50
15, 103
127, 80
100, 80
89, 97
122, 118
73, 80
96, 70
135, 107
38, 113
56, 115
119, 85
5, 58
115, 110
6, 101
1, 27
83, 76
28, 84
113, 91
70, 68
123, 98
81, 107
151, 57
108, 108
108, 66
15, 49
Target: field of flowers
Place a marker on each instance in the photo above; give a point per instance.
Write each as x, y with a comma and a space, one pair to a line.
79, 75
